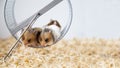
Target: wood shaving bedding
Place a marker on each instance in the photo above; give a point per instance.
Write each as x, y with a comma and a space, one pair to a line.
74, 53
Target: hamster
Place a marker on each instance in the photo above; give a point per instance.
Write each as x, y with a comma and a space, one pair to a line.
29, 38
50, 33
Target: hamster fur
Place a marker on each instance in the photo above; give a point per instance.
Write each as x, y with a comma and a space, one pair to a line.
29, 38
50, 33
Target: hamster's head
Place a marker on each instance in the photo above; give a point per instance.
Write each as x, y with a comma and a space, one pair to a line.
29, 39
46, 38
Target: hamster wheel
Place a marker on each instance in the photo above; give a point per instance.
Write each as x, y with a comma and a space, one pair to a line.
14, 27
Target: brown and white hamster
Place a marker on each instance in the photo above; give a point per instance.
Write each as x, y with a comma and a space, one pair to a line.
30, 37
50, 33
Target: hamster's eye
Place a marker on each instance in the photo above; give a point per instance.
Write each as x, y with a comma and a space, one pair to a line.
29, 40
47, 40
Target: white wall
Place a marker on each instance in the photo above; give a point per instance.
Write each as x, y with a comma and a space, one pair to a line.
92, 18
96, 18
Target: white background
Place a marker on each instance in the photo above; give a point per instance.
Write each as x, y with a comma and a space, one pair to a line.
92, 18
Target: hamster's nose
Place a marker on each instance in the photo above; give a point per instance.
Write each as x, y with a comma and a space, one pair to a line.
25, 43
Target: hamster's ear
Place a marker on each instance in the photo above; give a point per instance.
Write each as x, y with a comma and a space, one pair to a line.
51, 22
57, 23
30, 30
23, 37
38, 33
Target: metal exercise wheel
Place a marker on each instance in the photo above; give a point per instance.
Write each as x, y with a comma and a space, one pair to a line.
14, 27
